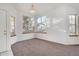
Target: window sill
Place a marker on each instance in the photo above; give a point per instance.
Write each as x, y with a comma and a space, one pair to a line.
73, 35
13, 35
34, 32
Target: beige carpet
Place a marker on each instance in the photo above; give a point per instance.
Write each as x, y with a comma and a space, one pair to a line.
39, 47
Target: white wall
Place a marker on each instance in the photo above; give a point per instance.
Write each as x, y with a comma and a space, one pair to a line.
19, 28
59, 32
11, 11
56, 32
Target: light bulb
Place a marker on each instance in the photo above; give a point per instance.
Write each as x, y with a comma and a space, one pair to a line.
32, 11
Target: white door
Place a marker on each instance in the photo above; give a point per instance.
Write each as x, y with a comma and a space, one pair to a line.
3, 34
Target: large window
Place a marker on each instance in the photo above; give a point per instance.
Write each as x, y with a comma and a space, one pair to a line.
41, 24
73, 28
34, 24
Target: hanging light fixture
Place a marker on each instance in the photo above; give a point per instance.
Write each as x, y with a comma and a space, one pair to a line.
33, 9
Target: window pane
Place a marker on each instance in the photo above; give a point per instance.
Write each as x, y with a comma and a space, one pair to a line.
34, 24
28, 24
12, 24
72, 19
72, 26
72, 29
41, 24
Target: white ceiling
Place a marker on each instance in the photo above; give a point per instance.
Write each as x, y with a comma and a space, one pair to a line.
47, 8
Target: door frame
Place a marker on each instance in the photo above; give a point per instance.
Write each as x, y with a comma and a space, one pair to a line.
6, 28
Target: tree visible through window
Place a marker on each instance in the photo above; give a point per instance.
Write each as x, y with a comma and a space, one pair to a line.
34, 24
41, 24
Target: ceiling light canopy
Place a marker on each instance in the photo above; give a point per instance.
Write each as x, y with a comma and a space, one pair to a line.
33, 9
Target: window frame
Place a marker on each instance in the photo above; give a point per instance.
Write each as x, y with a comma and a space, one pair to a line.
75, 25
12, 34
35, 26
